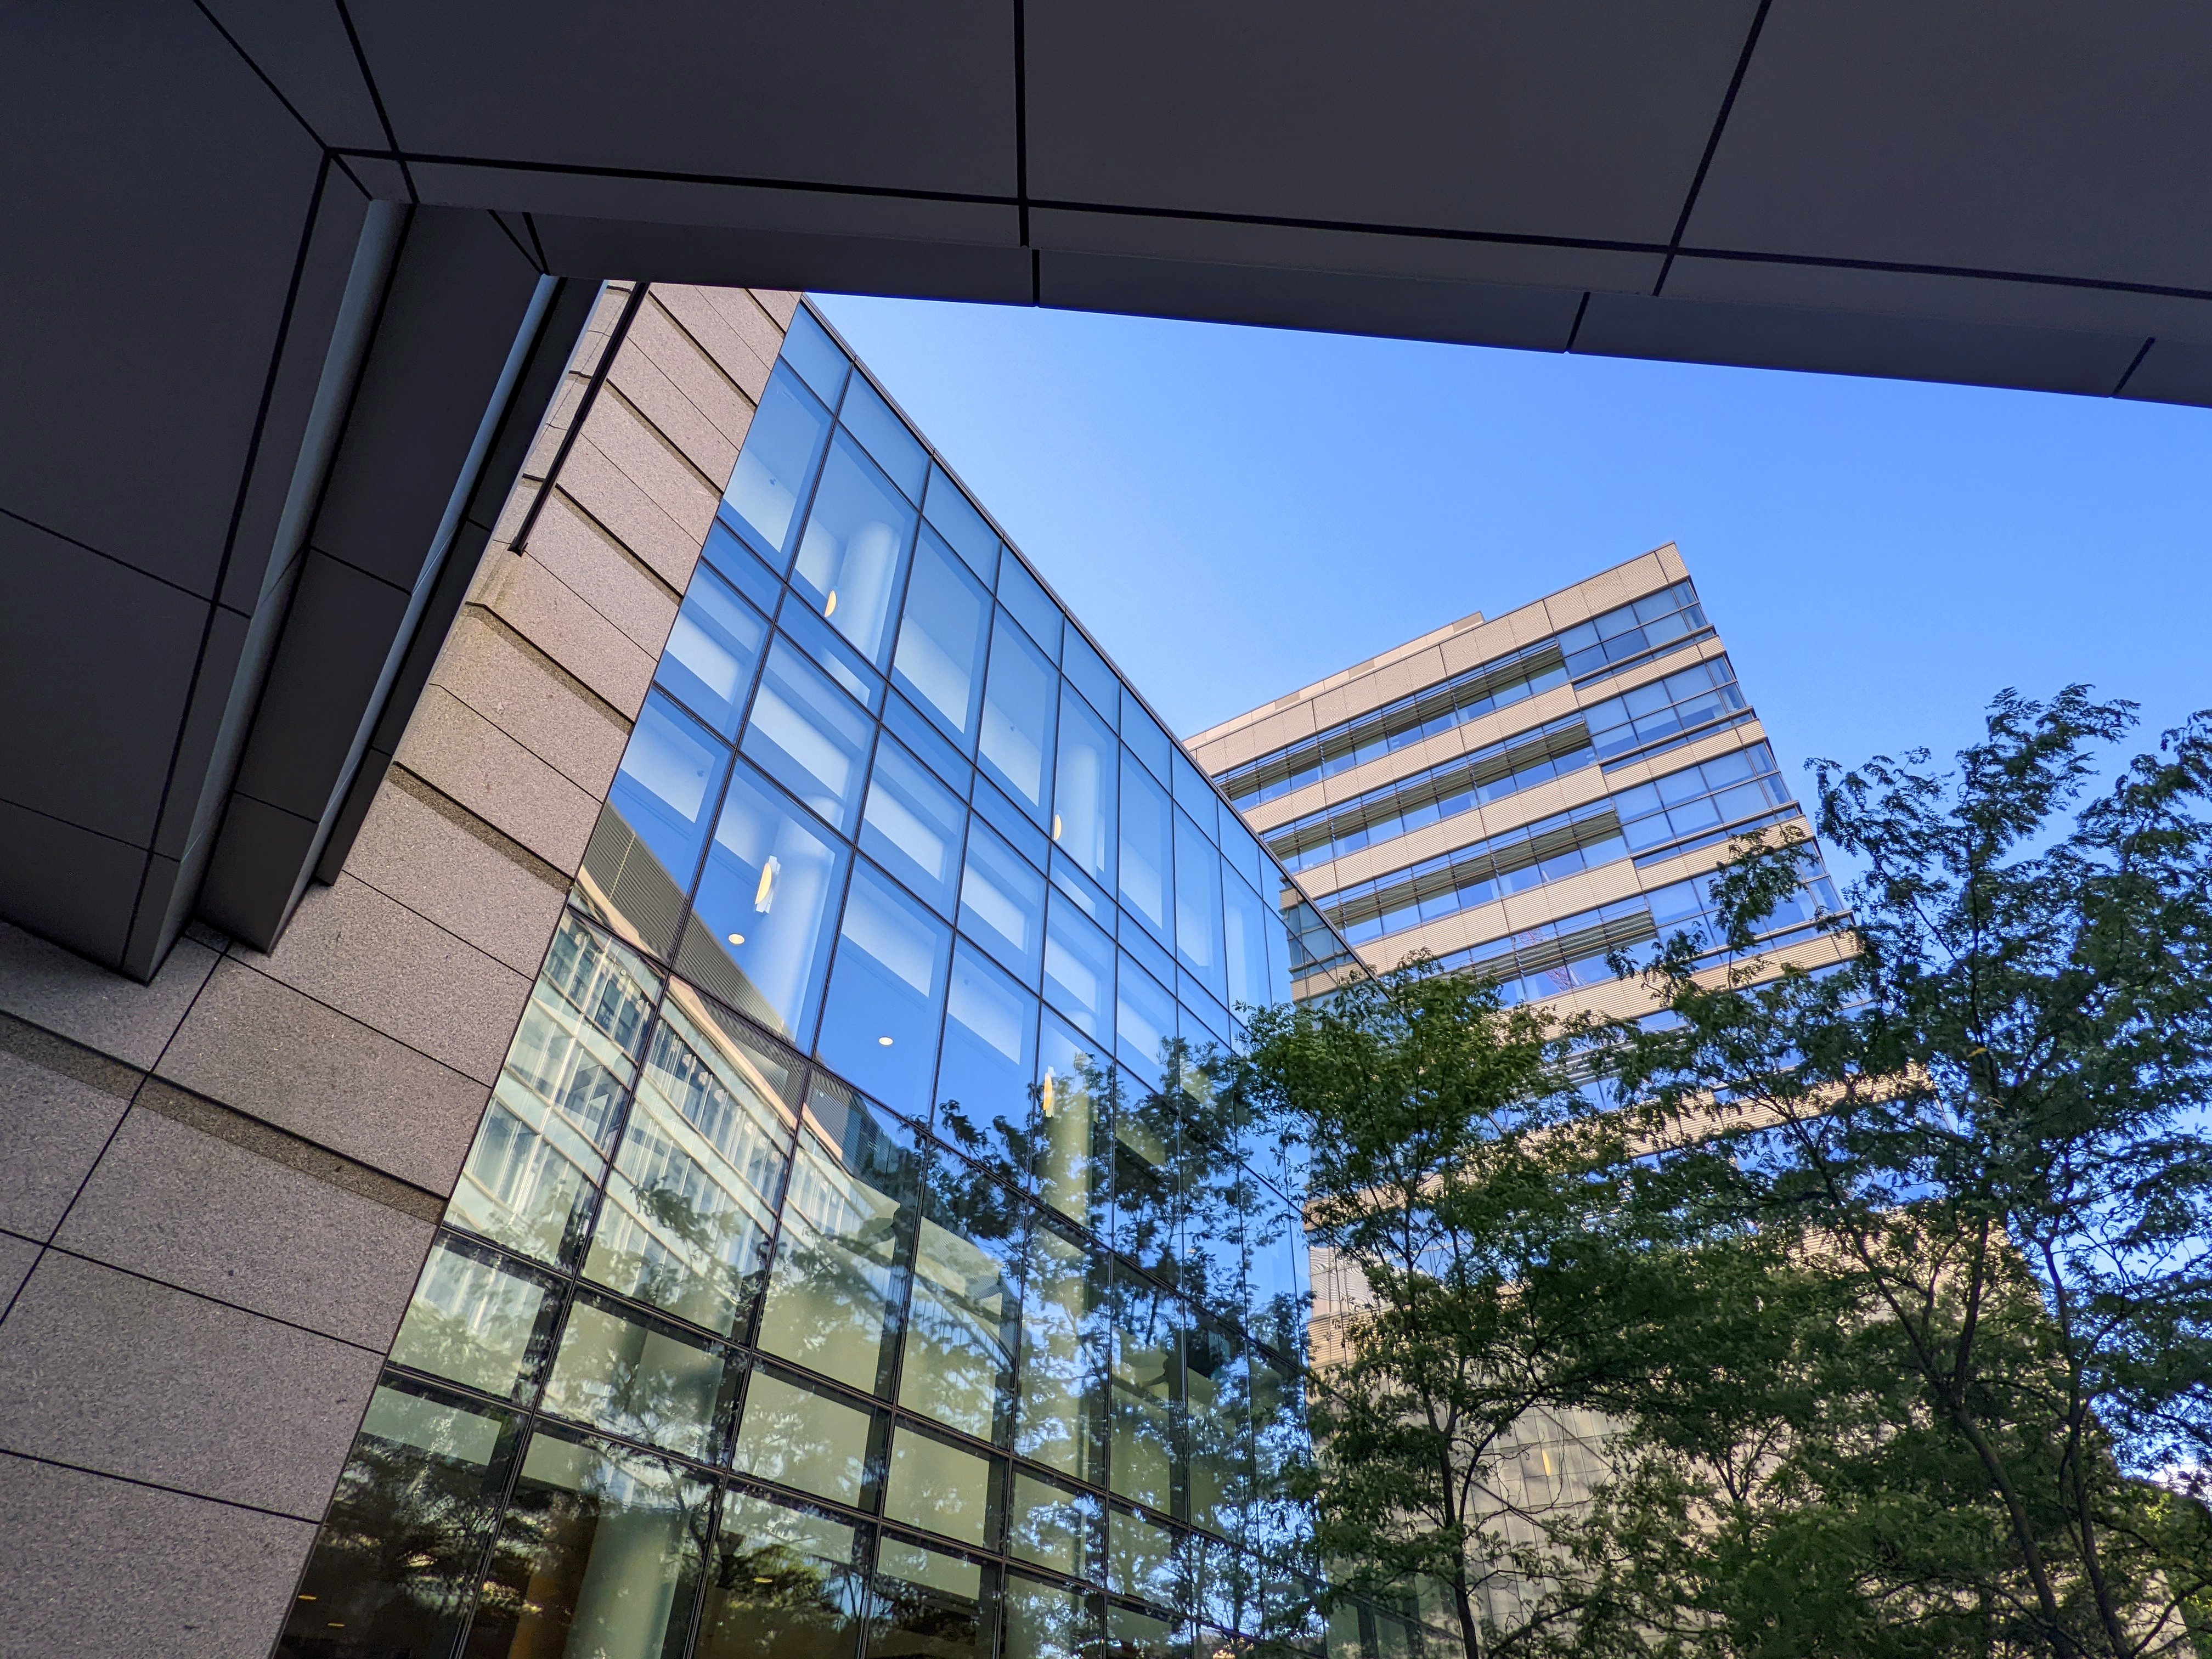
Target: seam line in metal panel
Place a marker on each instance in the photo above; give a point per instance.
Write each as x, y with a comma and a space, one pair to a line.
1712, 142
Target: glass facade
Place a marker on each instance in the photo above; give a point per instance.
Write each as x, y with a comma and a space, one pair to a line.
854, 1258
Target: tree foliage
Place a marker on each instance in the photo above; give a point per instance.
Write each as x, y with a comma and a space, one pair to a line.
1894, 1277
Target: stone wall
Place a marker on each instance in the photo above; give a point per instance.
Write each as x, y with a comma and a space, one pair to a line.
216, 1189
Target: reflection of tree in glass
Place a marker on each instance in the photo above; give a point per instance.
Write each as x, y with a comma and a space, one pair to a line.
474, 1319
926, 1623
964, 1315
1143, 1400
847, 1233
782, 1586
619, 1374
599, 1555
395, 1558
1062, 1287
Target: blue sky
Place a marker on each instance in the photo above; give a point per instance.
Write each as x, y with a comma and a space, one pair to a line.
1234, 513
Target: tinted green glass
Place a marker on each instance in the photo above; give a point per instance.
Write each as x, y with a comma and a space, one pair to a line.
474, 1318
804, 1438
835, 1291
599, 1555
930, 1605
782, 1584
938, 1487
964, 1311
395, 1564
1062, 1332
621, 1373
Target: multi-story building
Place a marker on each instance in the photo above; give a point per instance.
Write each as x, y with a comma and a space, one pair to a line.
1525, 794
851, 1258
1521, 798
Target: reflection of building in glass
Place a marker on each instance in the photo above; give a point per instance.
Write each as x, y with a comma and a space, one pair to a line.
851, 1258
1522, 797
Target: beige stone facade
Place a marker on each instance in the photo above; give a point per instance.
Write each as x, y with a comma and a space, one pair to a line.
216, 1189
1419, 670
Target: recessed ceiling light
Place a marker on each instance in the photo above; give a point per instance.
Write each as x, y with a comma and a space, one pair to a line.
883, 1042
737, 938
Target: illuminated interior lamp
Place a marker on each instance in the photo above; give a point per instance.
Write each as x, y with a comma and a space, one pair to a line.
883, 1042
1045, 1100
737, 938
830, 609
764, 895
1055, 826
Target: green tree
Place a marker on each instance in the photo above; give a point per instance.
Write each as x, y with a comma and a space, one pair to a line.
1940, 1377
1451, 1187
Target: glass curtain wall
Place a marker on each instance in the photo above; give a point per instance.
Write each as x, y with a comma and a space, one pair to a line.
853, 1260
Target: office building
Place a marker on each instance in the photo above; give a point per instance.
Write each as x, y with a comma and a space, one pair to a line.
1521, 798
852, 1257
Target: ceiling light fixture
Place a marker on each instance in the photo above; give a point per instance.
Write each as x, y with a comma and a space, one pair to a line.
764, 895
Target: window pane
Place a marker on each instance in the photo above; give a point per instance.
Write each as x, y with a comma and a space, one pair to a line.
1053, 1527
1083, 799
803, 1438
528, 1182
475, 1318
691, 1203
1216, 1394
989, 1057
1074, 1097
1144, 1021
808, 735
1198, 907
1134, 1634
854, 549
732, 558
599, 1555
1245, 956
783, 1584
827, 650
1145, 860
1019, 710
1061, 1330
1147, 1203
912, 825
808, 348
961, 1323
937, 1486
1079, 967
1023, 594
834, 1293
1092, 678
1275, 1240
971, 535
1243, 852
780, 448
666, 790
760, 935
1002, 904
1147, 736
1140, 1559
1044, 1621
644, 1381
1194, 794
1142, 1394
886, 436
1218, 1195
929, 1605
941, 638
886, 992
395, 1564
709, 662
